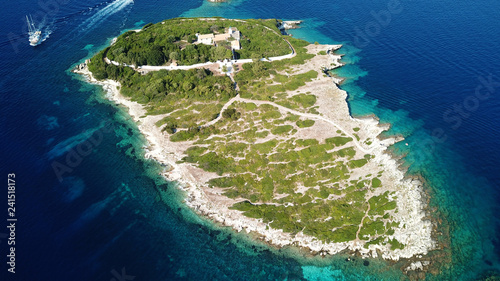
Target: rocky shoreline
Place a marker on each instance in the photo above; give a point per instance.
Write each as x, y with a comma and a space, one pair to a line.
415, 230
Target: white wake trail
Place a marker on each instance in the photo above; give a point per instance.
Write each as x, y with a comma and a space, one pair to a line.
103, 14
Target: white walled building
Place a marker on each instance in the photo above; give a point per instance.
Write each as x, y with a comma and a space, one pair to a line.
234, 32
207, 39
211, 39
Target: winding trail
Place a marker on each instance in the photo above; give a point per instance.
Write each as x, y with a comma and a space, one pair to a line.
362, 220
308, 115
238, 98
286, 109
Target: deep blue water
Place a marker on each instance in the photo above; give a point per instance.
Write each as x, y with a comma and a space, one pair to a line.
111, 213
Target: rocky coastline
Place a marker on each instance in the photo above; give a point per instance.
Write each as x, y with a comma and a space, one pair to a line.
415, 230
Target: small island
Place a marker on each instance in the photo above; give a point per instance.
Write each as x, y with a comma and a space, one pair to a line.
259, 135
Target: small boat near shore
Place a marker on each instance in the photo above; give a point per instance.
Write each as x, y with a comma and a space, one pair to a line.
35, 34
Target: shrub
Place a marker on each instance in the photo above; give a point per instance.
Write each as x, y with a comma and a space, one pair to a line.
305, 100
338, 141
305, 123
376, 182
281, 129
231, 114
395, 244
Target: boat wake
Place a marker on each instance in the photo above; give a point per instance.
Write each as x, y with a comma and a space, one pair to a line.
47, 28
46, 31
103, 14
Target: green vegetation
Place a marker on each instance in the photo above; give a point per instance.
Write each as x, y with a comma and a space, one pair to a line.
192, 97
262, 91
338, 141
356, 136
376, 241
263, 157
172, 40
231, 114
304, 100
358, 163
380, 204
282, 130
275, 167
371, 228
270, 80
376, 182
313, 222
395, 244
305, 123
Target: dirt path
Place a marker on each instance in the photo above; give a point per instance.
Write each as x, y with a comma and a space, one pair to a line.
307, 115
286, 109
362, 220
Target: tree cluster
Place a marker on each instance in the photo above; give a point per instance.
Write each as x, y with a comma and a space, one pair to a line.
164, 86
231, 114
173, 41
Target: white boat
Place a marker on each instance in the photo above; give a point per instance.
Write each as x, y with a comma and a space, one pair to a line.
35, 35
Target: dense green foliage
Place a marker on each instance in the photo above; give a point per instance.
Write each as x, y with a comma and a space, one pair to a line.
380, 204
231, 114
191, 96
376, 182
271, 80
263, 156
173, 40
259, 170
338, 141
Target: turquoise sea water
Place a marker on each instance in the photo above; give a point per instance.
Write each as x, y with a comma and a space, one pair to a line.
112, 214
